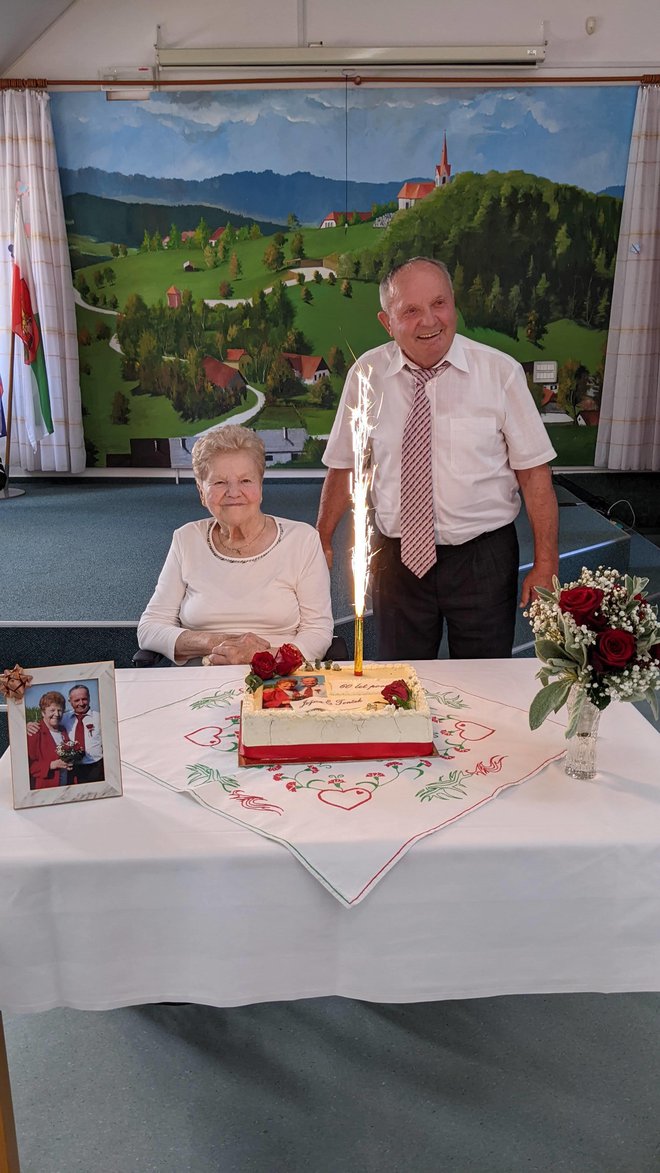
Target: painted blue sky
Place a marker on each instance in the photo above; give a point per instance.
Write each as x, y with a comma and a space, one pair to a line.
570, 134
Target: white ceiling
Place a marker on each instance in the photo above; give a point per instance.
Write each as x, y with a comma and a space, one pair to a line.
22, 23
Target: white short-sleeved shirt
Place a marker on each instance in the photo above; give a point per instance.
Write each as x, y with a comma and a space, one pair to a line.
485, 425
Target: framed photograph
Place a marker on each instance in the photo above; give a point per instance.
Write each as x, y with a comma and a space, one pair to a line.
64, 737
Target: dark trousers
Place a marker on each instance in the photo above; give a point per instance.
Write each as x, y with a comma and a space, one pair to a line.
473, 588
93, 772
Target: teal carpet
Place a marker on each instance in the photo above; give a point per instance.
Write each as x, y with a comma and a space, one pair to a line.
561, 1084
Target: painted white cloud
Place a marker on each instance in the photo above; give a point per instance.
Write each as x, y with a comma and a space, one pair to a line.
579, 134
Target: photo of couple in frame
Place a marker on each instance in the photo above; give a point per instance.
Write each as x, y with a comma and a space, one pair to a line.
64, 736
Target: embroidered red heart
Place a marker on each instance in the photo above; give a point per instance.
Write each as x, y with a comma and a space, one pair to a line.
208, 735
472, 731
347, 800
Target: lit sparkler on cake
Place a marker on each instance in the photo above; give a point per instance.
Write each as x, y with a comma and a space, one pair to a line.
362, 476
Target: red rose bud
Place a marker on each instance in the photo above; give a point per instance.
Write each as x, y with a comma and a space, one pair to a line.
397, 693
613, 650
584, 604
287, 659
263, 665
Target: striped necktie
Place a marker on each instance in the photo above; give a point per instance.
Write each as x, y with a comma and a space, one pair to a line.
417, 528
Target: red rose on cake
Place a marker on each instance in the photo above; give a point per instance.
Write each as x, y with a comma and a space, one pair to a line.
287, 659
397, 693
263, 665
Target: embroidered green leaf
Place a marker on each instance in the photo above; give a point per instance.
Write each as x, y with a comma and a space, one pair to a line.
447, 786
202, 773
217, 701
452, 700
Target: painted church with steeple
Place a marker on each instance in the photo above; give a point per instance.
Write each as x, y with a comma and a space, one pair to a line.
411, 193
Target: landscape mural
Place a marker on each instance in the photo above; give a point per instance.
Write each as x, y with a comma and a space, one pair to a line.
226, 249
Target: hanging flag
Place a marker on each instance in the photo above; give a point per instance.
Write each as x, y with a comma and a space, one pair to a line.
3, 425
25, 323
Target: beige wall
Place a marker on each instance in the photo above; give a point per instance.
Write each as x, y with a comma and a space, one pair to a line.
94, 35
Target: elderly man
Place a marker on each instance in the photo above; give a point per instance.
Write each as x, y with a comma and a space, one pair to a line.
83, 725
456, 437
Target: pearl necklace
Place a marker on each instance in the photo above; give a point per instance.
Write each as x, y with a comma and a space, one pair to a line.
246, 546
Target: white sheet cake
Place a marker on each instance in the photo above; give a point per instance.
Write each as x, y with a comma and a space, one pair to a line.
335, 714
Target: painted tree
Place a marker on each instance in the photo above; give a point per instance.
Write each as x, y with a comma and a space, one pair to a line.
148, 362
202, 234
336, 360
273, 257
535, 329
571, 386
120, 412
297, 246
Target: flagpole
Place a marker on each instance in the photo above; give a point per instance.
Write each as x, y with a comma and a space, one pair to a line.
10, 491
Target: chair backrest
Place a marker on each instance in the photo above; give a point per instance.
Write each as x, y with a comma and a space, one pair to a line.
338, 649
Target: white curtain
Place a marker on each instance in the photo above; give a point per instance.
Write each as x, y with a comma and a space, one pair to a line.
27, 160
629, 428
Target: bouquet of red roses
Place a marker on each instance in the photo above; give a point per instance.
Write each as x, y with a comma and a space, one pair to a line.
599, 634
70, 752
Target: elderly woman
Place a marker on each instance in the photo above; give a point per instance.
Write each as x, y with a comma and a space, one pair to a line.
46, 768
241, 582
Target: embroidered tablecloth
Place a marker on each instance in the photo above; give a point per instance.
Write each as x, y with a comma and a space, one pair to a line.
347, 823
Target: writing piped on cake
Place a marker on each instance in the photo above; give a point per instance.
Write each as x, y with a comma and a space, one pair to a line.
357, 687
334, 704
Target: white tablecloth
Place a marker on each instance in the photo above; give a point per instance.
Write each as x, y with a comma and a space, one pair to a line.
552, 887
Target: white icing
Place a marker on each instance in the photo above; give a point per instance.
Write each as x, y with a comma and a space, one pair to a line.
300, 726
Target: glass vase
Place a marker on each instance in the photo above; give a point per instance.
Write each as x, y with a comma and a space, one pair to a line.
580, 761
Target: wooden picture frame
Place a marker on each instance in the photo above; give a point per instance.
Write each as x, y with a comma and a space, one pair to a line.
69, 712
